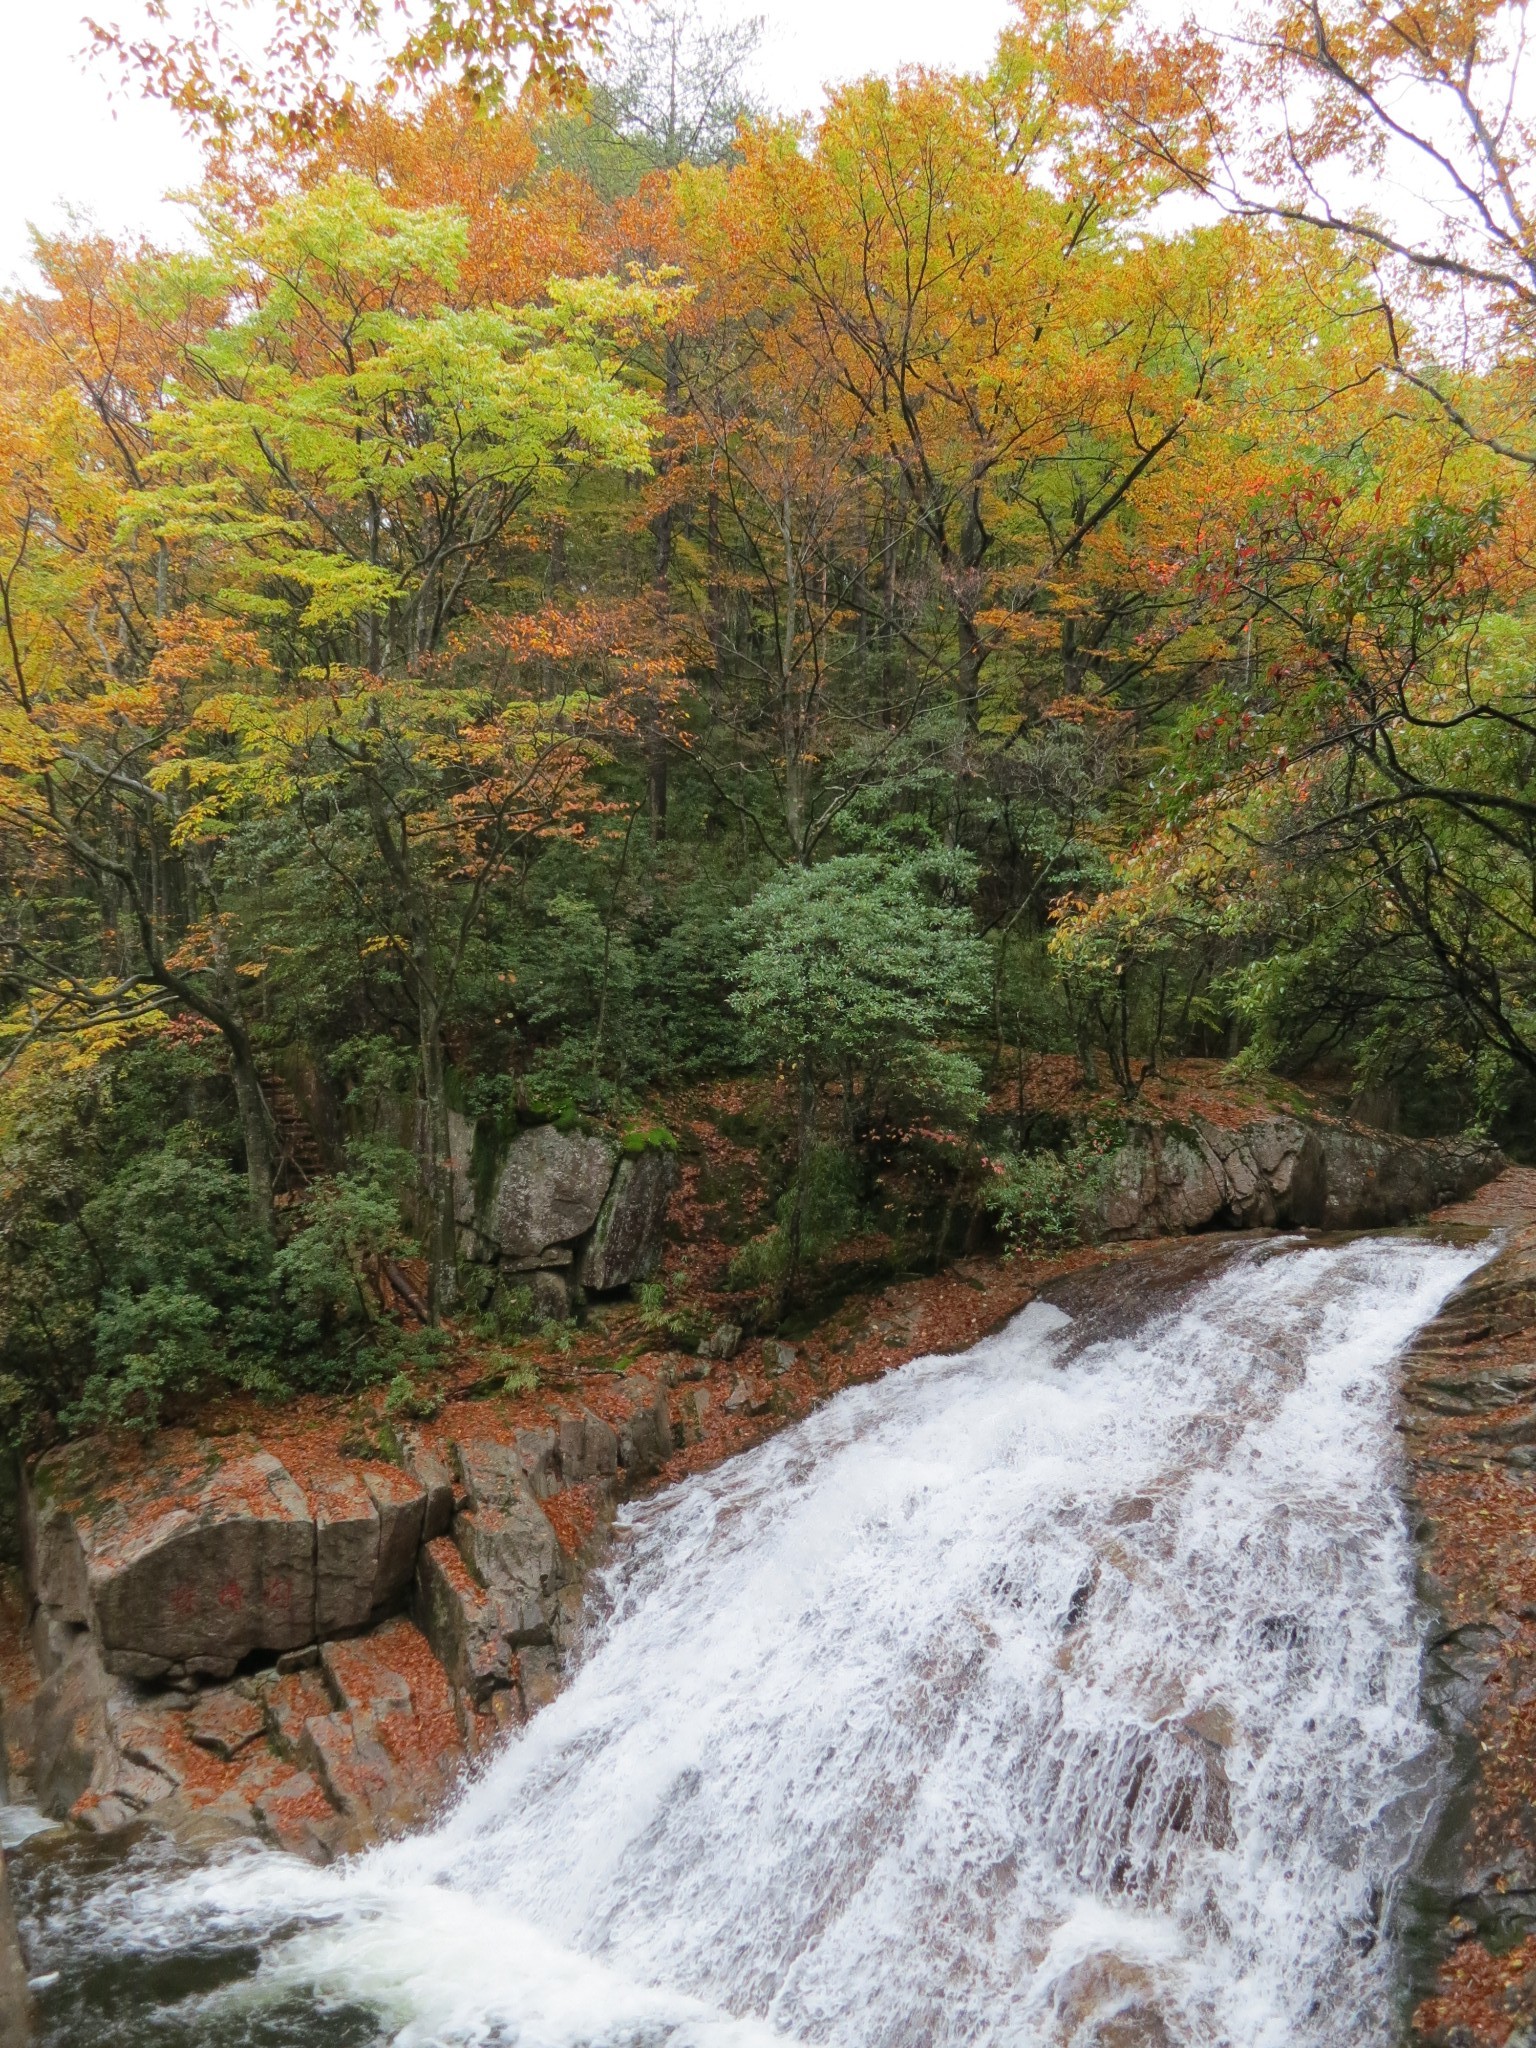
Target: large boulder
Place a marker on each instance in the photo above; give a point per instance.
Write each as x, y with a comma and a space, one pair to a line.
187, 1574
626, 1242
1165, 1179
547, 1194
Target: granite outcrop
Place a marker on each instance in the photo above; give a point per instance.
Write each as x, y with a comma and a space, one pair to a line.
234, 1639
559, 1211
1166, 1178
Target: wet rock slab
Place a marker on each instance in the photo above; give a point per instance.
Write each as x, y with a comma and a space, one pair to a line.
360, 1744
223, 1642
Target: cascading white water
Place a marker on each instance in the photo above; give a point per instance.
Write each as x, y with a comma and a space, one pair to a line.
1063, 1692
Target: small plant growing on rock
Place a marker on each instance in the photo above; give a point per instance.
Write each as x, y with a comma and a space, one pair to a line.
677, 1323
407, 1401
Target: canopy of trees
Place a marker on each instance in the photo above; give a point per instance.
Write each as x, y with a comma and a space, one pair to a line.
557, 597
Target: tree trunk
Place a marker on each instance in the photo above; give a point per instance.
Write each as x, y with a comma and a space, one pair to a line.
442, 1226
655, 738
437, 1164
255, 1129
972, 649
714, 596
805, 1138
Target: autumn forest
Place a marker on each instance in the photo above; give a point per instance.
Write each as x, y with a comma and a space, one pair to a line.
571, 588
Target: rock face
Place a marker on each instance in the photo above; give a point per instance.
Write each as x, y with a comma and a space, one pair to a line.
1468, 1429
222, 1648
565, 1206
499, 1599
1166, 1179
625, 1245
547, 1195
241, 1560
359, 1741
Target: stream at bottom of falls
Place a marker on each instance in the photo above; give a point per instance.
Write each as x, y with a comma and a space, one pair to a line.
1063, 1693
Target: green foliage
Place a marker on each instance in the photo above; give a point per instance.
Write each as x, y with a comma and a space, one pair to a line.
663, 1314
189, 1301
822, 1204
1045, 1201
866, 968
348, 1223
357, 430
493, 696
135, 1278
623, 988
642, 1138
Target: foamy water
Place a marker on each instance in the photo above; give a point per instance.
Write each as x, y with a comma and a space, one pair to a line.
1062, 1692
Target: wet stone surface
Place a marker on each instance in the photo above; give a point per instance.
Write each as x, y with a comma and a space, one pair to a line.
1469, 1432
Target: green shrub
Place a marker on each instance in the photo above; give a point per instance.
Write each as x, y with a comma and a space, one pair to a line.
349, 1222
1045, 1201
829, 1216
188, 1301
133, 1279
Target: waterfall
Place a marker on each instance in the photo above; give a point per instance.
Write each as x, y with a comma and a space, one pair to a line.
1064, 1691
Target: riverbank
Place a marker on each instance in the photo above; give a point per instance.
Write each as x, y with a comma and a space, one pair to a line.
302, 1626
1469, 1434
438, 1562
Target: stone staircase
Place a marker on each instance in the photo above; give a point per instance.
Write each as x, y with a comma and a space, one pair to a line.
299, 1160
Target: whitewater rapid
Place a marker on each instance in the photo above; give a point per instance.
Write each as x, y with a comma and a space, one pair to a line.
1060, 1694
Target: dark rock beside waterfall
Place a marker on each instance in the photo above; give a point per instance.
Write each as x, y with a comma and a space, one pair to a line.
625, 1245
1168, 1178
432, 1472
491, 1598
635, 1408
319, 1761
15, 1998
1468, 1427
463, 1622
69, 1723
505, 1537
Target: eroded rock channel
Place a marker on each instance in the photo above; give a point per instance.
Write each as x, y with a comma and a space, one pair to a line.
1060, 1690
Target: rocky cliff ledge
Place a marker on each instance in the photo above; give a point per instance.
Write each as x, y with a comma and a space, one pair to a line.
1469, 1428
235, 1634
1168, 1176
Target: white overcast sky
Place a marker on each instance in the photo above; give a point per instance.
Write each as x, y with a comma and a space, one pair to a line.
64, 143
